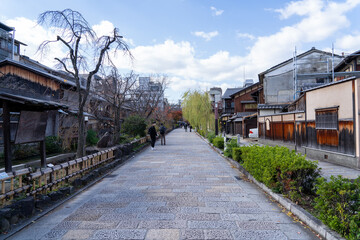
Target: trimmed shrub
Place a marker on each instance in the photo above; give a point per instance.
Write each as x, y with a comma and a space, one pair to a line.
210, 136
229, 147
282, 170
134, 125
236, 154
91, 138
338, 205
53, 145
219, 142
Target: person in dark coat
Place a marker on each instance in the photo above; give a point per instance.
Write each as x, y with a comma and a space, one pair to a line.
162, 131
153, 135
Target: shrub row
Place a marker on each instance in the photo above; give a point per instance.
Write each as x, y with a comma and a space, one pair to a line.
336, 202
282, 170
218, 142
338, 205
210, 136
229, 148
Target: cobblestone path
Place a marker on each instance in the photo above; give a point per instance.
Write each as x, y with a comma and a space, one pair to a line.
183, 190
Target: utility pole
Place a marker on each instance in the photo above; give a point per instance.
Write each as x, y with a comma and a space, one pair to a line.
295, 74
332, 62
13, 44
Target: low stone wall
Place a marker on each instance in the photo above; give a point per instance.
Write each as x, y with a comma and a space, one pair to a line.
37, 200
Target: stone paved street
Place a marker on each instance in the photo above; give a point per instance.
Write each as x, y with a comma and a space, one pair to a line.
183, 190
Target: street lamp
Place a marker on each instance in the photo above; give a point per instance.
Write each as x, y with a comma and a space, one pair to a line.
216, 119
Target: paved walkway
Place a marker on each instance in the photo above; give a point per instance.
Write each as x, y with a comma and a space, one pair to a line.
183, 190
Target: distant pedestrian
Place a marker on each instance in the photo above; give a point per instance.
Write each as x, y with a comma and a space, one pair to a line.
153, 135
185, 126
190, 127
162, 134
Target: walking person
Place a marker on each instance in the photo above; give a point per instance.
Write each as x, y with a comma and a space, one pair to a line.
162, 134
153, 135
185, 126
190, 127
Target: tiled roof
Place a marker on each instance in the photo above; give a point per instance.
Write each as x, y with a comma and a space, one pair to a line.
271, 106
230, 91
45, 104
37, 71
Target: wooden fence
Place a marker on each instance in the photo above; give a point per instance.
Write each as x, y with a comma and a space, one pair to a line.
27, 182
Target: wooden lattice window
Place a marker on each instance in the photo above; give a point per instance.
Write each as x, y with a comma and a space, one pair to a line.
327, 119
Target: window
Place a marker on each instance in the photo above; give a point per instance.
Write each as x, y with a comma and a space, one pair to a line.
326, 119
250, 106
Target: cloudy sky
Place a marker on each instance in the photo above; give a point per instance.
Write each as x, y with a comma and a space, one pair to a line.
200, 44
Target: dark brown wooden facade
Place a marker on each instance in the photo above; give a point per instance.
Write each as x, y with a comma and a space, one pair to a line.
327, 123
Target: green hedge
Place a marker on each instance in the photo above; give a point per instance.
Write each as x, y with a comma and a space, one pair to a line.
338, 205
210, 136
91, 138
236, 154
53, 145
280, 169
219, 142
229, 148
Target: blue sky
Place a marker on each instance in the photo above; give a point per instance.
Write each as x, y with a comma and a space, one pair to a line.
201, 43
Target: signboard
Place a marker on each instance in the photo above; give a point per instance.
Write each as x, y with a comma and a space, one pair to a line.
32, 127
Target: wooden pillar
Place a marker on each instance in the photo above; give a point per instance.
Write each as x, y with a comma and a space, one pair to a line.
7, 136
43, 154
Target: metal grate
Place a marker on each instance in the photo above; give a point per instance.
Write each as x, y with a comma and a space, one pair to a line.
327, 119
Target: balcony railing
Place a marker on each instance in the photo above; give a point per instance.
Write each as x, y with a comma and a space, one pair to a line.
229, 110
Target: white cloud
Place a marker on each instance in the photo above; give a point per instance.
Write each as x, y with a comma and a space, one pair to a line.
104, 28
301, 8
216, 12
246, 35
349, 43
207, 36
319, 20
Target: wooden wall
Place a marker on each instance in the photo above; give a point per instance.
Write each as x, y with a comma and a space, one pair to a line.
341, 140
306, 135
282, 128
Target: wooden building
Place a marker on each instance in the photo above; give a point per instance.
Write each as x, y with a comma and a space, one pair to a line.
245, 107
324, 123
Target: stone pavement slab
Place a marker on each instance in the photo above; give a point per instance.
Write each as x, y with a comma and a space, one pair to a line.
183, 190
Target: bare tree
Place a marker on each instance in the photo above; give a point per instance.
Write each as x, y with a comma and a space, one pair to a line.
116, 91
78, 37
150, 98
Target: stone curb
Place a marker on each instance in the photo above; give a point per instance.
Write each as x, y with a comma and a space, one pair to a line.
313, 222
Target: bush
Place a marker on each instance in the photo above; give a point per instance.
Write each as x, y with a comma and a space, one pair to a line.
134, 125
201, 132
91, 138
53, 145
210, 136
281, 169
219, 142
124, 138
236, 154
338, 205
229, 147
